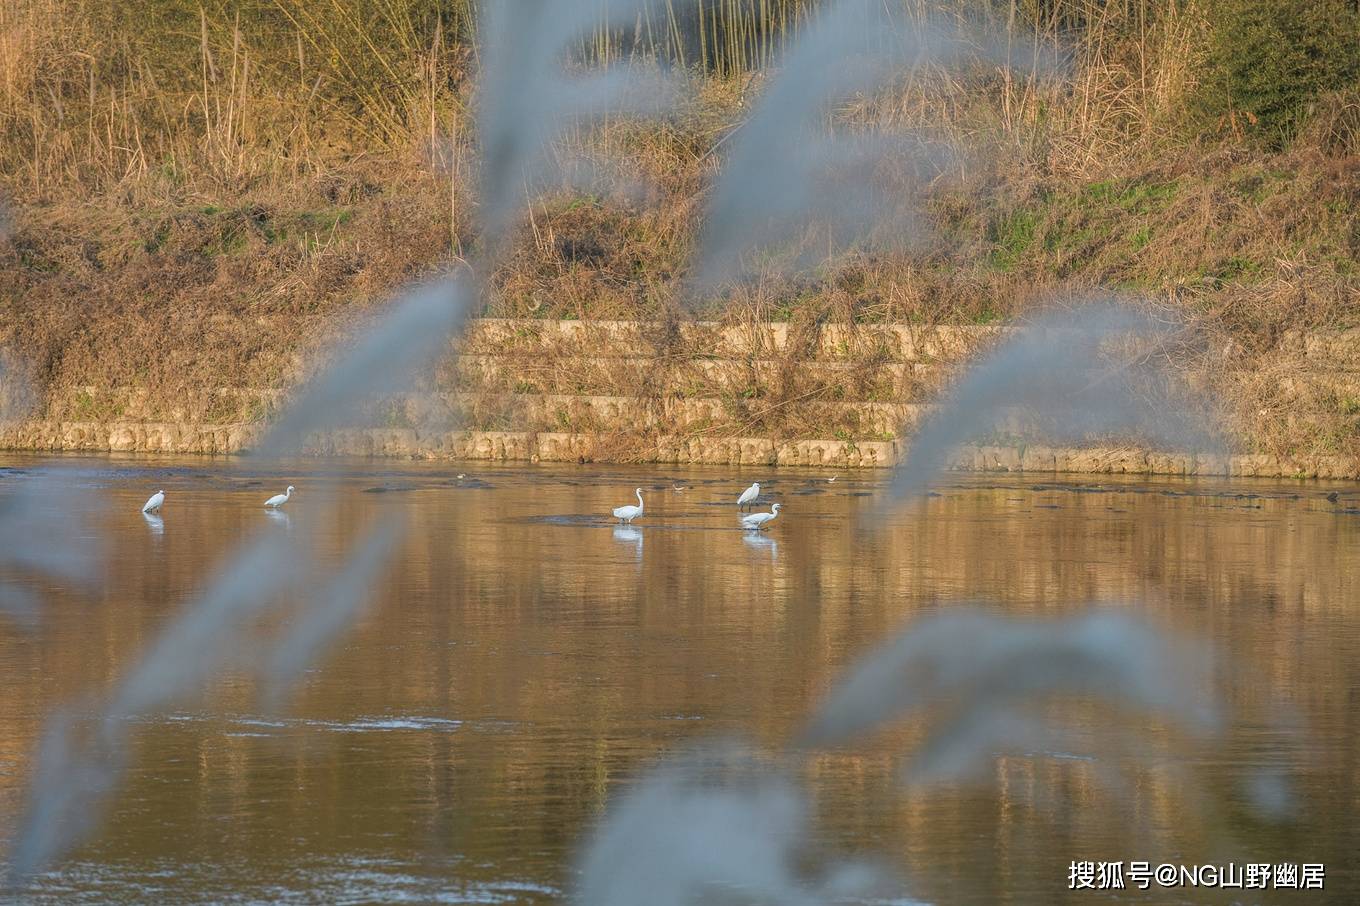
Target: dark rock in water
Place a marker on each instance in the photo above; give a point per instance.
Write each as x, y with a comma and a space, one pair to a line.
807, 491
860, 494
567, 519
1047, 506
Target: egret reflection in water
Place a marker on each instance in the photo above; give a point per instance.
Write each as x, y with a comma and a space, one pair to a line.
629, 537
627, 534
760, 542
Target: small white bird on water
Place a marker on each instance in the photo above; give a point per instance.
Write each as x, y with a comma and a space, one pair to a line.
153, 503
758, 521
279, 499
628, 513
749, 495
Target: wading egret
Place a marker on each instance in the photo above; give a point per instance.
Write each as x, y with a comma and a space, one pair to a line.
749, 495
153, 503
280, 499
758, 521
629, 513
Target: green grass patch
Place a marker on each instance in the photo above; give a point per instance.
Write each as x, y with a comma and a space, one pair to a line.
1012, 238
325, 220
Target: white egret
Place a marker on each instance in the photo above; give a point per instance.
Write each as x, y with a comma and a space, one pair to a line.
153, 503
629, 513
758, 521
280, 499
749, 495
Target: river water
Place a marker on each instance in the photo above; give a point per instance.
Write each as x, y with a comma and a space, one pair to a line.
522, 659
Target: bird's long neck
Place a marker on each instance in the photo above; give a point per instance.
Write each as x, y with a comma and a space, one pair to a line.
639, 496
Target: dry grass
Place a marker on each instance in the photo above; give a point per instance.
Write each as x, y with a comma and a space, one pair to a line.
203, 211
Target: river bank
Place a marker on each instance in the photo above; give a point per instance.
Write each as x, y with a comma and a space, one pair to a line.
180, 244
754, 394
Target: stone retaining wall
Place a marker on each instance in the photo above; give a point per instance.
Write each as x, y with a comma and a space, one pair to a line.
574, 391
140, 437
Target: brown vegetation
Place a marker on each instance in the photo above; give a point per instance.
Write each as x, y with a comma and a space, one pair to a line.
198, 195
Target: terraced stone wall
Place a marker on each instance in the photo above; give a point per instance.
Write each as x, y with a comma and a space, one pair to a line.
575, 391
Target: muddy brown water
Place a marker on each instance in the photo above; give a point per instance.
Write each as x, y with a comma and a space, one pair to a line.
522, 659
